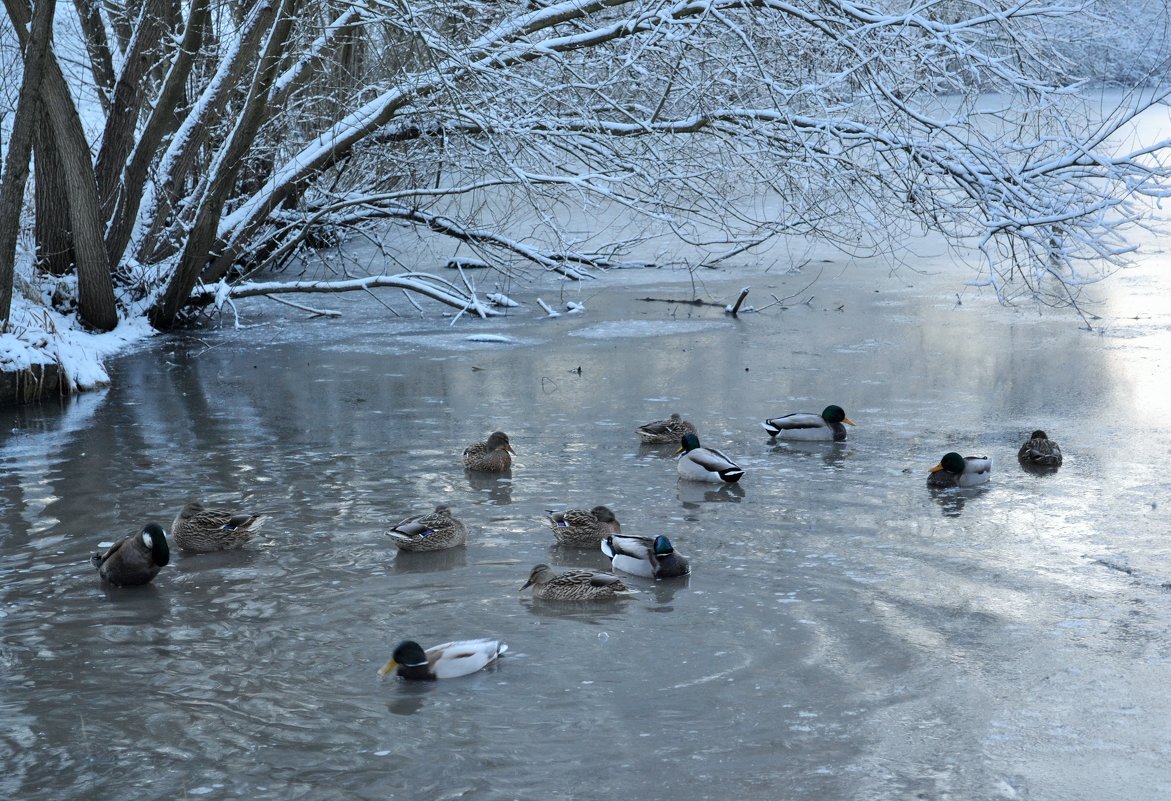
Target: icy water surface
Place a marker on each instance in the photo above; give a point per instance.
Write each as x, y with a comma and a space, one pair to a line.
846, 633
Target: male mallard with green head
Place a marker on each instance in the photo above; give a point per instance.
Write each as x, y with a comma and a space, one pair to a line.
446, 661
808, 427
697, 463
954, 470
645, 556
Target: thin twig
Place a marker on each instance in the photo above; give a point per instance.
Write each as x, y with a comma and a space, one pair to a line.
310, 309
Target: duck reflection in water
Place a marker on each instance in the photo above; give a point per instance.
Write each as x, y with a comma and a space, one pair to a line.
431, 561
691, 493
585, 558
410, 698
833, 454
497, 486
952, 500
142, 604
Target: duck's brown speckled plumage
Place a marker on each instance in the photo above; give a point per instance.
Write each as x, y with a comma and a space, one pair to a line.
202, 530
582, 528
665, 432
575, 585
1040, 451
492, 456
434, 531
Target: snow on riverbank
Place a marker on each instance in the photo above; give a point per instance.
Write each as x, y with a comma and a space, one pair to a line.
37, 334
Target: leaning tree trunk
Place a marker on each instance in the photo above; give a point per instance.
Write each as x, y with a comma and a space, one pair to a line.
20, 146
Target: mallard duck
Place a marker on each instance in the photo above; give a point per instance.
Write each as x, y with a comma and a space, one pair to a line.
809, 427
644, 556
954, 470
446, 661
134, 559
492, 456
665, 432
203, 530
1040, 451
579, 528
574, 585
430, 532
705, 464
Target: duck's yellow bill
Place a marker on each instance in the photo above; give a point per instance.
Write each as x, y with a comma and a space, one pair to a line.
389, 666
936, 469
848, 420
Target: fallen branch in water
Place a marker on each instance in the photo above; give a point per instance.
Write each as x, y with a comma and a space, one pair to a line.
431, 286
693, 302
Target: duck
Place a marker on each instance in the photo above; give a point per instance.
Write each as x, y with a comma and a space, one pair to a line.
809, 427
705, 464
954, 470
446, 661
579, 528
645, 556
202, 530
430, 532
665, 432
492, 456
575, 585
1040, 451
135, 559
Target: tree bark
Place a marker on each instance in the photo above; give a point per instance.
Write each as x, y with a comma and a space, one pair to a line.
51, 229
20, 143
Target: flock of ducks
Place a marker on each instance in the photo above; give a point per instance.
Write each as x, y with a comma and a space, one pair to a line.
136, 559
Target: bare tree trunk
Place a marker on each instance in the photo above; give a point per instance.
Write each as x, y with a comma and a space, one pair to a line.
129, 97
162, 121
226, 168
51, 229
20, 145
179, 162
95, 290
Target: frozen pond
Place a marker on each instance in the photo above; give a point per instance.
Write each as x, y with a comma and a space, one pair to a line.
846, 633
